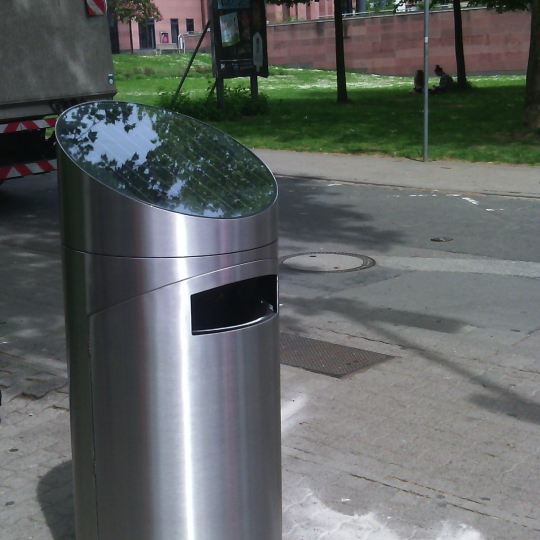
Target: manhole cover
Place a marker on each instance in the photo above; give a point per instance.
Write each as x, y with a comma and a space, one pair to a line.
326, 358
441, 239
327, 261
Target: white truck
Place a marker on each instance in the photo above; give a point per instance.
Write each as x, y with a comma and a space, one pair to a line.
53, 54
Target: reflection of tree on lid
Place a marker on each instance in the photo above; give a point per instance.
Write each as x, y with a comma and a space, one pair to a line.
166, 159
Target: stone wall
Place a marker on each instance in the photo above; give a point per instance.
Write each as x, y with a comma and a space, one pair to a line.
393, 44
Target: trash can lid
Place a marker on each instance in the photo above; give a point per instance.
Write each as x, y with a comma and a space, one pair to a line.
166, 159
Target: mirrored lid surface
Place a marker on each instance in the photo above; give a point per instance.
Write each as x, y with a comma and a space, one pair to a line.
165, 159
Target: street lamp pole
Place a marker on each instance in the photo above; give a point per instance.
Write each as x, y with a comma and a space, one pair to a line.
426, 79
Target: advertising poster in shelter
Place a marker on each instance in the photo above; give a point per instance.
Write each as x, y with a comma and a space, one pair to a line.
239, 38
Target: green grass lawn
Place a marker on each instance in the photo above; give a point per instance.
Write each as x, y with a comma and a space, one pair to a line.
483, 124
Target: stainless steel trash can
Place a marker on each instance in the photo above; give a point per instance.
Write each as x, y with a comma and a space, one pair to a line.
169, 232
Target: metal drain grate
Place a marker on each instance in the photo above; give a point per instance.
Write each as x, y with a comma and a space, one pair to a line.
326, 358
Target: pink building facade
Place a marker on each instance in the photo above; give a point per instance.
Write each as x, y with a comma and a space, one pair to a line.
390, 44
180, 17
302, 12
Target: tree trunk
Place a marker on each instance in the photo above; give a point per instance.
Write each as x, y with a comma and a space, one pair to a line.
531, 116
340, 54
458, 40
130, 38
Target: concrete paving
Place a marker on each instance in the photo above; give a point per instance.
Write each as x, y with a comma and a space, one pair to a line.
481, 178
441, 442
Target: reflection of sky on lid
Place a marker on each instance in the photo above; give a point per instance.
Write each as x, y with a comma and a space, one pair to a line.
165, 159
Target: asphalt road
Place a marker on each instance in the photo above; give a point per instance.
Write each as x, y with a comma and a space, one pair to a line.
366, 217
485, 277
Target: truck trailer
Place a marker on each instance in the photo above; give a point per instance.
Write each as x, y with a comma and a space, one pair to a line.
53, 54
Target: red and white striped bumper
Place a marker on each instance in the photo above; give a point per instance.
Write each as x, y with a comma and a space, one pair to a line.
28, 124
96, 7
26, 169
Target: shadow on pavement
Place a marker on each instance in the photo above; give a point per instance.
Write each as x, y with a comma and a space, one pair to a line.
311, 209
501, 401
363, 313
32, 321
29, 214
508, 403
55, 496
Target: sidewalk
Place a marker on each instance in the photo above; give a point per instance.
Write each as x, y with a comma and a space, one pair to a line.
480, 178
440, 442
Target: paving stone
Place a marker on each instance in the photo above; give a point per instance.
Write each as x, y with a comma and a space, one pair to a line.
440, 442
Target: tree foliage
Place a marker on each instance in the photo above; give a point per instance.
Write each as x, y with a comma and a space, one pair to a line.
501, 6
139, 11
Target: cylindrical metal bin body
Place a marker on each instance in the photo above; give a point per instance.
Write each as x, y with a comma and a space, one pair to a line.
170, 265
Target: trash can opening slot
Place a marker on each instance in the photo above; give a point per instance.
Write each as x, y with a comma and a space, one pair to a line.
234, 305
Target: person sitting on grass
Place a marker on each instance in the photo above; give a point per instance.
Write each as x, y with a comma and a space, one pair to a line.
445, 82
418, 83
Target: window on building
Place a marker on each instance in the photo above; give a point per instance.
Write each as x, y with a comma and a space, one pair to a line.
346, 6
190, 25
174, 30
147, 35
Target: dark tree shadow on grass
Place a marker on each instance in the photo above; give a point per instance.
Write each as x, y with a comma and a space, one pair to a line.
483, 124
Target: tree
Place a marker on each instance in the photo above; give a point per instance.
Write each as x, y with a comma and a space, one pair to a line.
340, 48
458, 39
531, 113
139, 11
340, 53
458, 43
